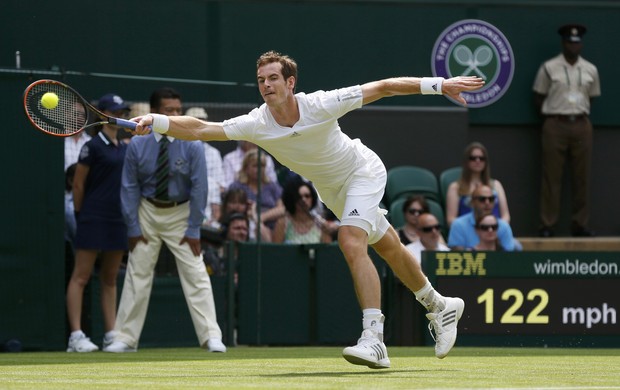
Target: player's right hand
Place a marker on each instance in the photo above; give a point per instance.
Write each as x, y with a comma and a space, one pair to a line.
144, 126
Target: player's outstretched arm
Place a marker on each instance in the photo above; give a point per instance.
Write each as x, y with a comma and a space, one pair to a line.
451, 87
181, 127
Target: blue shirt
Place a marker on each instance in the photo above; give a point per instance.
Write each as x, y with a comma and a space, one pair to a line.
188, 179
103, 184
463, 233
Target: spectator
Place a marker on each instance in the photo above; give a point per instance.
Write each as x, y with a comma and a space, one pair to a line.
429, 236
463, 230
486, 228
215, 174
73, 146
232, 162
563, 92
163, 200
100, 226
237, 227
299, 225
70, 224
413, 207
476, 171
270, 207
236, 201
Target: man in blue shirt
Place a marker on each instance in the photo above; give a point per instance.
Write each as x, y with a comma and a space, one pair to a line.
163, 196
463, 230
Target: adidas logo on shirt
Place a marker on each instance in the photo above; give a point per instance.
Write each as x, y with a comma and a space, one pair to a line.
354, 213
295, 134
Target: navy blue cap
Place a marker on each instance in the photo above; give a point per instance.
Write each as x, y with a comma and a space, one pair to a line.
112, 102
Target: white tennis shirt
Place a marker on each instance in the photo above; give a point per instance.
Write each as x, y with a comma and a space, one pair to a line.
315, 147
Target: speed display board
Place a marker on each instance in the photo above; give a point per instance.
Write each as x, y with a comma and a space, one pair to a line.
532, 298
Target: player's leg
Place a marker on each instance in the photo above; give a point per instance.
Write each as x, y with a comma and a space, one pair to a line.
353, 242
370, 350
358, 210
443, 312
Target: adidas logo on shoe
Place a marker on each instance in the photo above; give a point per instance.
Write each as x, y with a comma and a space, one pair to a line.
354, 213
369, 351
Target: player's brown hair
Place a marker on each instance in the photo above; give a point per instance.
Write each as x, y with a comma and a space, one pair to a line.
289, 66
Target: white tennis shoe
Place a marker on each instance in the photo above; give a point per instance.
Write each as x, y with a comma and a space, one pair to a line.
443, 325
369, 351
81, 343
216, 345
119, 347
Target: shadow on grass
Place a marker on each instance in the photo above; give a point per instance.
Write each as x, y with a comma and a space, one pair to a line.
319, 374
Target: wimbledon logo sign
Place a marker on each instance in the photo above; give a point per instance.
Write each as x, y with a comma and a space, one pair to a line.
475, 48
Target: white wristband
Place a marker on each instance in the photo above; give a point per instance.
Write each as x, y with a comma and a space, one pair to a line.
431, 85
160, 123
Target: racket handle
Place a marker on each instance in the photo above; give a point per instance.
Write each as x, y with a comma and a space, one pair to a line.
123, 123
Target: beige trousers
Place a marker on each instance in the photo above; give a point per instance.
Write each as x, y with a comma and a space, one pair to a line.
165, 225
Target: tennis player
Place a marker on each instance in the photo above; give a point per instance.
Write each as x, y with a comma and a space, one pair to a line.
302, 132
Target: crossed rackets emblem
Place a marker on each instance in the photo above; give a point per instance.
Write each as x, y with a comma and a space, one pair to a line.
480, 57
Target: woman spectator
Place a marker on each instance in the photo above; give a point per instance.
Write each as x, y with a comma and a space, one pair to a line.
486, 229
476, 171
271, 207
413, 207
299, 224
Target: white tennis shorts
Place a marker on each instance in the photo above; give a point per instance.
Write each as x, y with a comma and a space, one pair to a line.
356, 202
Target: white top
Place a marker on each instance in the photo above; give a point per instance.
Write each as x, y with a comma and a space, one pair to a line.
73, 146
215, 178
315, 147
416, 248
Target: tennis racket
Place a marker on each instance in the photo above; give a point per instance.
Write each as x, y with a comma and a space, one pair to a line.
72, 114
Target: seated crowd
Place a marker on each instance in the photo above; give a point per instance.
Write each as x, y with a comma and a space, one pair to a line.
476, 208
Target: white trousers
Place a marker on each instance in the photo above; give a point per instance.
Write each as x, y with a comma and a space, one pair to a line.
167, 225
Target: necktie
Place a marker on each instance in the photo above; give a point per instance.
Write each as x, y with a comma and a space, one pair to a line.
163, 170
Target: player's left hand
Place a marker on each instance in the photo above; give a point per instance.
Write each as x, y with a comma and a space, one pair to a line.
453, 87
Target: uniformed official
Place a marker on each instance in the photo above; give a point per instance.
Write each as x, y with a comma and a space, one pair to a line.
563, 88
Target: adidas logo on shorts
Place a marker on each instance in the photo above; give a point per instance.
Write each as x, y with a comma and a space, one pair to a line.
354, 213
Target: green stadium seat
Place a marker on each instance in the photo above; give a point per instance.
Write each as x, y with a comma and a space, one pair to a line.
446, 178
406, 180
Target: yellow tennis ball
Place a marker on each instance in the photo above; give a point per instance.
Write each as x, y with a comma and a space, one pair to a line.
49, 100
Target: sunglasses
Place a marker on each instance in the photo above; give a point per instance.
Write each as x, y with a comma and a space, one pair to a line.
477, 158
415, 211
488, 228
483, 199
428, 229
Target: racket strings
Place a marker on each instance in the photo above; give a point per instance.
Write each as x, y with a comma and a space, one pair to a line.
68, 117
